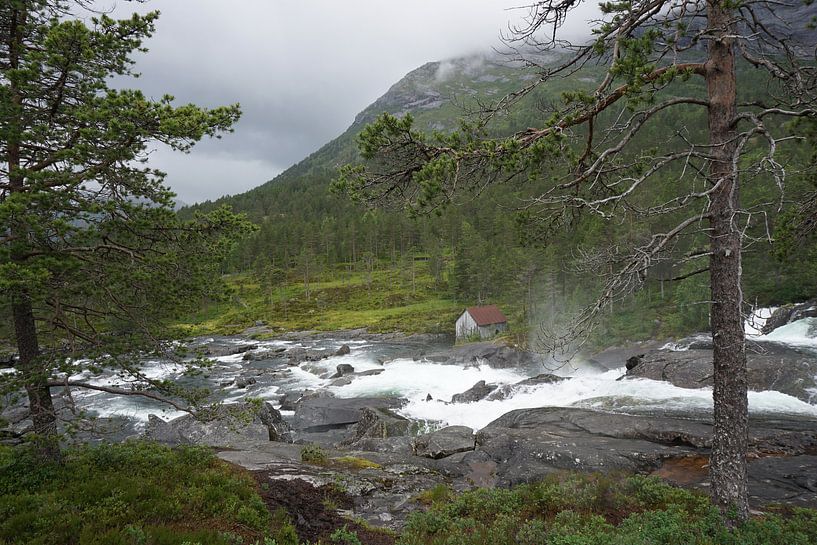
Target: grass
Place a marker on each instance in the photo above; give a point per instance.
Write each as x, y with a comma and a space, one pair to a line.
337, 300
131, 493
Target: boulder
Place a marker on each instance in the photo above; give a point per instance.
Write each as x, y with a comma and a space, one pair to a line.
378, 423
263, 355
343, 369
230, 425
782, 368
445, 442
508, 390
218, 349
494, 355
634, 361
289, 400
788, 314
325, 413
243, 382
478, 391
343, 350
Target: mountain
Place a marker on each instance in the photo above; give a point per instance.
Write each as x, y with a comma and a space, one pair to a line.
476, 246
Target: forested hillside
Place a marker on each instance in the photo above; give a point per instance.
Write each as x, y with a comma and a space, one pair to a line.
489, 249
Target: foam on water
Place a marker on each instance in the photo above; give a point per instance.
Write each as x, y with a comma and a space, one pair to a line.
601, 391
416, 379
801, 333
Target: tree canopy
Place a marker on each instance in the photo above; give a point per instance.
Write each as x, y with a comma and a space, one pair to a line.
93, 259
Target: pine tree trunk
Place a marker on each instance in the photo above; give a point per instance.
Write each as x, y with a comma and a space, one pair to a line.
35, 378
33, 373
729, 445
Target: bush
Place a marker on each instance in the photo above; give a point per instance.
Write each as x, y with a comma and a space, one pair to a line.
580, 509
313, 454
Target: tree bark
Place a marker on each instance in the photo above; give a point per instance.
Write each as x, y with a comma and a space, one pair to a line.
729, 444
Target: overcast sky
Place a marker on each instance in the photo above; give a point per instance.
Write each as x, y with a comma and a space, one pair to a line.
301, 70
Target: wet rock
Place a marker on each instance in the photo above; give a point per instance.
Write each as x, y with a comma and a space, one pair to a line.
343, 350
243, 382
263, 355
634, 361
782, 368
445, 442
429, 398
508, 390
289, 400
7, 359
343, 369
478, 391
369, 373
218, 349
788, 314
232, 425
326, 413
378, 423
494, 355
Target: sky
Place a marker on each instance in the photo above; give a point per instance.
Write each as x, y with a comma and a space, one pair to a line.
301, 70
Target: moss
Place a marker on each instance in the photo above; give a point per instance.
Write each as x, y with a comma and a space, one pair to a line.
353, 462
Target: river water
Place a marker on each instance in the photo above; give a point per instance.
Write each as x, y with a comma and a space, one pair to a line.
405, 373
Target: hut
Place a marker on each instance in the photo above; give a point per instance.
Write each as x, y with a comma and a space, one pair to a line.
484, 322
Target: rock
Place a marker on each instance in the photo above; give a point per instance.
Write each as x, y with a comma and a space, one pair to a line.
243, 382
7, 359
397, 445
494, 355
218, 349
343, 369
289, 400
445, 442
508, 390
788, 314
429, 398
262, 355
369, 373
634, 361
259, 323
326, 413
232, 425
782, 368
478, 391
343, 350
378, 423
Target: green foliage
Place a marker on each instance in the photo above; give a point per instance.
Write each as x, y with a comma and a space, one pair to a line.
342, 536
91, 244
313, 454
576, 509
129, 493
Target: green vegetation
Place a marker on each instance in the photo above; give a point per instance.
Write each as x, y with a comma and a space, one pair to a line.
131, 493
313, 454
589, 510
355, 462
383, 300
141, 493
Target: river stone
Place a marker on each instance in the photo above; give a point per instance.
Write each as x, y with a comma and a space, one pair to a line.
343, 369
380, 423
217, 349
326, 413
478, 391
232, 425
788, 314
343, 350
263, 355
508, 390
782, 368
494, 355
445, 442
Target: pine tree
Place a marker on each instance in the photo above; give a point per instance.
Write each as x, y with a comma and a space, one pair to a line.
602, 150
93, 260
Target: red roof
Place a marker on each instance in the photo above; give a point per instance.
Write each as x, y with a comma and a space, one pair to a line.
486, 315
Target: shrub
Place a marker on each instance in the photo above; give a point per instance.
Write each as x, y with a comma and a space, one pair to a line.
313, 454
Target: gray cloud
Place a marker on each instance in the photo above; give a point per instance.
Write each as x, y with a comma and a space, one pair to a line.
301, 70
